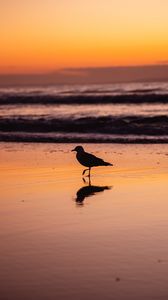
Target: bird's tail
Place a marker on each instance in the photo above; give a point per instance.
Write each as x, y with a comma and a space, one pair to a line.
107, 164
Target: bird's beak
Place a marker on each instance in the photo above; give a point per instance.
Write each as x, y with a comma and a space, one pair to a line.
72, 150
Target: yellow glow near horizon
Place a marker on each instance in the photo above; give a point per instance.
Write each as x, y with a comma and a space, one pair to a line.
46, 35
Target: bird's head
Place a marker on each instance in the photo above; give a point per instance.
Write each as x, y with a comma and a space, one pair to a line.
78, 149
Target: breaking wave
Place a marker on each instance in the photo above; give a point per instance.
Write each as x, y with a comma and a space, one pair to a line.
99, 113
86, 129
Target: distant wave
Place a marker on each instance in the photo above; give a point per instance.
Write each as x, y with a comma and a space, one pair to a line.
136, 98
80, 138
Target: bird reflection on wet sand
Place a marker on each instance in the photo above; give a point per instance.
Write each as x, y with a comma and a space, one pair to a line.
88, 191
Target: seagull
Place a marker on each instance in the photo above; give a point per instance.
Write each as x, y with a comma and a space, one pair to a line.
89, 160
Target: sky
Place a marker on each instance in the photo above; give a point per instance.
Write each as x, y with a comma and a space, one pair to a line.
46, 35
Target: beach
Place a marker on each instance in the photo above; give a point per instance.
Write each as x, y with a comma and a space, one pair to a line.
109, 244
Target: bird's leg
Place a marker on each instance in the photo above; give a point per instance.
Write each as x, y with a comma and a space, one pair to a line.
84, 180
89, 173
84, 171
89, 181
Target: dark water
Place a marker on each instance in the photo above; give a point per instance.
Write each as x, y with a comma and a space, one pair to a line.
92, 113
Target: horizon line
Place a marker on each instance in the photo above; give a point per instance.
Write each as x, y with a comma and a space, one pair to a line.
58, 70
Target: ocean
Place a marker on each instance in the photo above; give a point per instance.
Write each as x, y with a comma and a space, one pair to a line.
108, 113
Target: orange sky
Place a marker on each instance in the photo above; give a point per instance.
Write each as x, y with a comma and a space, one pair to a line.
46, 35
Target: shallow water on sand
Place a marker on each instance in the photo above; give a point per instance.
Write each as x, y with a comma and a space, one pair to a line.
63, 238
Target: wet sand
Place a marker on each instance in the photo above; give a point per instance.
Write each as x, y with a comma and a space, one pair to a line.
110, 244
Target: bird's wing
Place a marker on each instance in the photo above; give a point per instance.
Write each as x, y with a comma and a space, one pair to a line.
93, 160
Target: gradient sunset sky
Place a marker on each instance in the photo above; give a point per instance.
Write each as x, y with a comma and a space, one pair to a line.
44, 35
